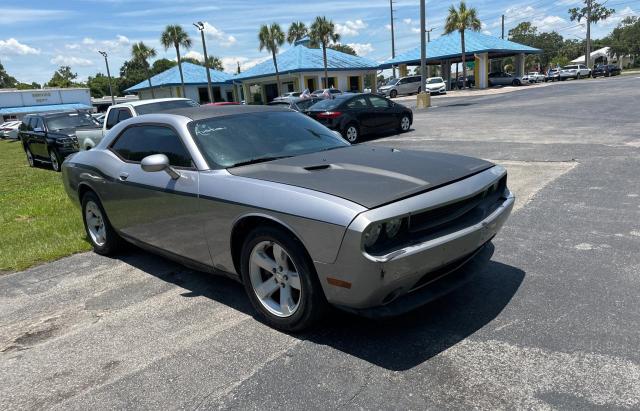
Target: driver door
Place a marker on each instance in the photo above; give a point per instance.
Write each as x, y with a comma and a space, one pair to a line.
151, 207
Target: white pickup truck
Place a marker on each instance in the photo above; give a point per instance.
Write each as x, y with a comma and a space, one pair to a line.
89, 138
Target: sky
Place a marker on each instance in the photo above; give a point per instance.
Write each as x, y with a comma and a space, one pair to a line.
38, 36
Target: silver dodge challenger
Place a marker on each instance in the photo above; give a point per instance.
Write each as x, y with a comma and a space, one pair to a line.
275, 200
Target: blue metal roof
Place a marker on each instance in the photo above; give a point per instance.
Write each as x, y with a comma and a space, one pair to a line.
301, 58
193, 75
448, 46
45, 108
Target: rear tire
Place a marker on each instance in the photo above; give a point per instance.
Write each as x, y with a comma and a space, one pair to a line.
516, 83
280, 280
101, 235
56, 162
351, 133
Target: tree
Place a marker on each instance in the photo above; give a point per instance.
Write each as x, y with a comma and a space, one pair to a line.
175, 36
460, 20
297, 31
132, 72
214, 62
99, 85
344, 48
142, 53
27, 86
592, 12
271, 38
63, 78
6, 81
323, 32
162, 65
524, 33
625, 39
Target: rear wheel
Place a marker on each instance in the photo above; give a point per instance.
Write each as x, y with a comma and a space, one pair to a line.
103, 238
54, 157
393, 94
515, 82
280, 280
351, 133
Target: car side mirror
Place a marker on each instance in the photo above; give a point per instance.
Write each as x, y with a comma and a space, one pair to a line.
158, 162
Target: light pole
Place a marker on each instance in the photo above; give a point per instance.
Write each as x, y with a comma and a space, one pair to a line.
200, 26
393, 40
423, 48
106, 62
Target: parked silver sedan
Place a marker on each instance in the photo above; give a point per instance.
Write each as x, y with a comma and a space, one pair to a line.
272, 198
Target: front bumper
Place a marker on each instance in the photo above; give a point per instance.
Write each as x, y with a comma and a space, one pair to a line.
379, 281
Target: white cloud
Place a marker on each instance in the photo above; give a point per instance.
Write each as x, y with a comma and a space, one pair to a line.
117, 43
387, 26
415, 30
61, 60
362, 49
618, 16
13, 46
549, 23
72, 46
15, 15
220, 37
230, 63
194, 55
487, 32
407, 21
350, 28
88, 41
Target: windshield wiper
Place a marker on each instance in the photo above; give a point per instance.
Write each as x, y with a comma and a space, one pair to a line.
257, 160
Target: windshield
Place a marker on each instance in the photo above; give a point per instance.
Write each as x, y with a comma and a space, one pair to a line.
434, 80
164, 105
230, 140
392, 82
70, 120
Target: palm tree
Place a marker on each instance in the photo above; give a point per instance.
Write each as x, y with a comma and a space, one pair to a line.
271, 38
461, 20
142, 53
174, 35
323, 32
297, 30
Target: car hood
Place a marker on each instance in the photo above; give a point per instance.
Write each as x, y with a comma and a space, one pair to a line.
369, 176
434, 85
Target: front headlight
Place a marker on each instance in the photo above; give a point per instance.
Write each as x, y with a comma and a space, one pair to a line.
371, 234
392, 227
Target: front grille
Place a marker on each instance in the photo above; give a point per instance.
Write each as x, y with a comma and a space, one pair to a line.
464, 212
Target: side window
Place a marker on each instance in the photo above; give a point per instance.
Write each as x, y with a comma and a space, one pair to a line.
358, 102
123, 114
27, 123
415, 79
378, 102
137, 142
112, 119
38, 123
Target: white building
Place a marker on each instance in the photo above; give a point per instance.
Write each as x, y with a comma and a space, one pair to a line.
15, 104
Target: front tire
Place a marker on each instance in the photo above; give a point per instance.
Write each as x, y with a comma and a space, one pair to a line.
351, 133
280, 280
54, 157
101, 235
405, 124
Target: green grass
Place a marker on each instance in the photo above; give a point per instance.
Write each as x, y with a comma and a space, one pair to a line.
38, 223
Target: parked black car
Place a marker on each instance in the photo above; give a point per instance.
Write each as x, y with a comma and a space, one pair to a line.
606, 70
354, 115
51, 137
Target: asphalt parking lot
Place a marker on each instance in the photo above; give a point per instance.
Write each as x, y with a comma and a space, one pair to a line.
552, 322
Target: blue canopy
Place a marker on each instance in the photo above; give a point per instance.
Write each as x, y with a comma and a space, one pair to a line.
302, 58
193, 75
45, 108
448, 47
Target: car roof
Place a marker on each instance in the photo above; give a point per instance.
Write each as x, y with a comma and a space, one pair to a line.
52, 113
204, 112
136, 103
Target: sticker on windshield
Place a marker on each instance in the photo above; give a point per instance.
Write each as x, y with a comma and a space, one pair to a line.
205, 130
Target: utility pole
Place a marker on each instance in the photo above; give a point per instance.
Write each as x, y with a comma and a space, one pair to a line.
423, 47
200, 26
393, 40
106, 62
503, 27
429, 41
587, 56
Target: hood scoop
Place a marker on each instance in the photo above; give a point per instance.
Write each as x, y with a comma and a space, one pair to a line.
317, 167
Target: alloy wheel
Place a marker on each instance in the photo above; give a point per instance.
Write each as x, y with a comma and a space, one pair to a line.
275, 279
352, 134
95, 224
405, 123
55, 164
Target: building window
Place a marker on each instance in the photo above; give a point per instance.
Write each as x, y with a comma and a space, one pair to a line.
354, 83
332, 82
216, 94
203, 95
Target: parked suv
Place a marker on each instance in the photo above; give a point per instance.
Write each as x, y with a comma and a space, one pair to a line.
402, 85
574, 71
606, 70
50, 137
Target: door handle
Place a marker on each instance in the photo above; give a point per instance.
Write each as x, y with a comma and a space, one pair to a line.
123, 176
